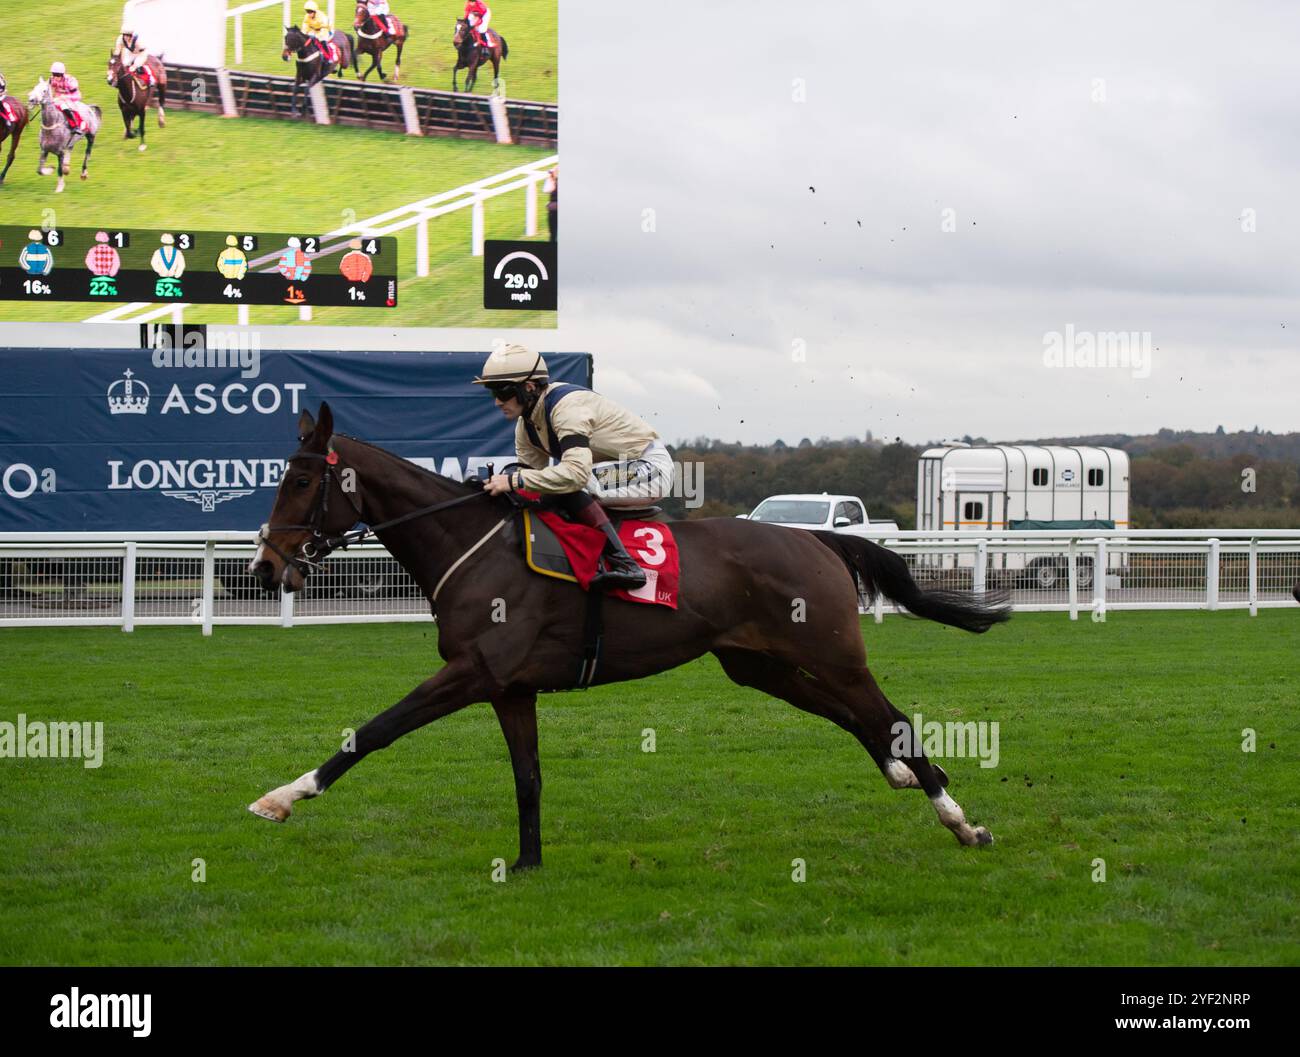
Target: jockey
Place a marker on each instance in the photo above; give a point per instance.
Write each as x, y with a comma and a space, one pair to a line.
67, 96
316, 23
378, 10
478, 14
605, 452
134, 55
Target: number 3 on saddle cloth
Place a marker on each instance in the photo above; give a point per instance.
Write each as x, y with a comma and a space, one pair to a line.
567, 550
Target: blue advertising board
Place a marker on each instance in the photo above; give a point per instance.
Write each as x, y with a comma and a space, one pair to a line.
125, 440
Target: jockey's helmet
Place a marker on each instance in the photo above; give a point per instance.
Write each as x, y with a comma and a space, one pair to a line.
311, 8
57, 69
508, 368
4, 85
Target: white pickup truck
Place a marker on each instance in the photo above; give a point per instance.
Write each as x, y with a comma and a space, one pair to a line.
835, 513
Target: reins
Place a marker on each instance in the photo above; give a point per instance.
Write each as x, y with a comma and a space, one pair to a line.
315, 549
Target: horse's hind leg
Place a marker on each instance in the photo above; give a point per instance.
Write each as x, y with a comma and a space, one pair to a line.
457, 685
517, 713
143, 146
85, 161
892, 735
841, 696
162, 106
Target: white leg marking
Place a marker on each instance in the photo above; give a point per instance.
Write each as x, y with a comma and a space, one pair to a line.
900, 776
952, 816
277, 805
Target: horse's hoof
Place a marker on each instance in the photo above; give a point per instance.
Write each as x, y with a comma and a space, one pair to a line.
85, 176
522, 864
269, 809
982, 837
143, 147
45, 172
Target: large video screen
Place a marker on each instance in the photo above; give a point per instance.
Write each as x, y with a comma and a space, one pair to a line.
263, 164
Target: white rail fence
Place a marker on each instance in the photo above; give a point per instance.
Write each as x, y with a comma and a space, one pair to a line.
52, 579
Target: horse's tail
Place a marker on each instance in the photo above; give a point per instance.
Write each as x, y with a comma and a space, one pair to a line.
881, 571
505, 48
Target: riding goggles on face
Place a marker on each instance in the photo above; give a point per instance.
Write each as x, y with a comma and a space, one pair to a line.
503, 390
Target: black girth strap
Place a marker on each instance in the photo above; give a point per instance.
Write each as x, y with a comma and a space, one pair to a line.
592, 634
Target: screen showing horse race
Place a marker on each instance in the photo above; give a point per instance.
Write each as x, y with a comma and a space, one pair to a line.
379, 162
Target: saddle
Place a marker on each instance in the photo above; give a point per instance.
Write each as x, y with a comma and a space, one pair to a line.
544, 553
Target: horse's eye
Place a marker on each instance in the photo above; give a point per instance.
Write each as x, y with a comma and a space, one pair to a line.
302, 482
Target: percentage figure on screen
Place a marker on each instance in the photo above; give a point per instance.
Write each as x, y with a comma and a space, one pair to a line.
355, 294
35, 286
233, 292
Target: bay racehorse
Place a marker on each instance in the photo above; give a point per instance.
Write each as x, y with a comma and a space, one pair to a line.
13, 121
312, 66
58, 138
134, 97
374, 40
778, 607
470, 56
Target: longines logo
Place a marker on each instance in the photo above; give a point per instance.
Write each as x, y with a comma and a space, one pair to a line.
204, 482
128, 397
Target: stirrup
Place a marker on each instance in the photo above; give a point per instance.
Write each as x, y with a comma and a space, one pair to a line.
625, 573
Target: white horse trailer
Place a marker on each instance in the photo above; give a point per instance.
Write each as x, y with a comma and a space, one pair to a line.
1022, 486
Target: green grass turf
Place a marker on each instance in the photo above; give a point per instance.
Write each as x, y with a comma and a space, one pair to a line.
204, 172
1119, 741
529, 26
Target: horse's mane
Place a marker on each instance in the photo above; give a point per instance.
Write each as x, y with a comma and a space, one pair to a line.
457, 487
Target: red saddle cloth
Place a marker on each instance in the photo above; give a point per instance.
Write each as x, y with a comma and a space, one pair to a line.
650, 544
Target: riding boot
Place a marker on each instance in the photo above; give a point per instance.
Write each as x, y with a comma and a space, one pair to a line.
617, 568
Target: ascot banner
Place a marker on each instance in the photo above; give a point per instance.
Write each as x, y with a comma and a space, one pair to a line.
123, 440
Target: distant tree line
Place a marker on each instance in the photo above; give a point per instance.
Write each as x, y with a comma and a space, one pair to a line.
1177, 479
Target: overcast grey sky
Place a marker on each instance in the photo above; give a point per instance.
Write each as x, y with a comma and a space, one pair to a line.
1099, 164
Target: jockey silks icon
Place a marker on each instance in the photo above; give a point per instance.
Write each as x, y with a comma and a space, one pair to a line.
36, 258
356, 266
293, 263
102, 258
232, 263
167, 260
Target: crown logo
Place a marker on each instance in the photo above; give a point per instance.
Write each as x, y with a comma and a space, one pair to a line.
127, 397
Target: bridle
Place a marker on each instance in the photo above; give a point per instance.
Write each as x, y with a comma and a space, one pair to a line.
314, 550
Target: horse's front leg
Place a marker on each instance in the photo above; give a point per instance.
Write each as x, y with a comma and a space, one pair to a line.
13, 149
143, 146
517, 713
126, 120
457, 685
397, 68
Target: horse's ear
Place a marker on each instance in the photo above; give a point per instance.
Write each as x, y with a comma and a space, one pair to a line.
324, 426
306, 426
